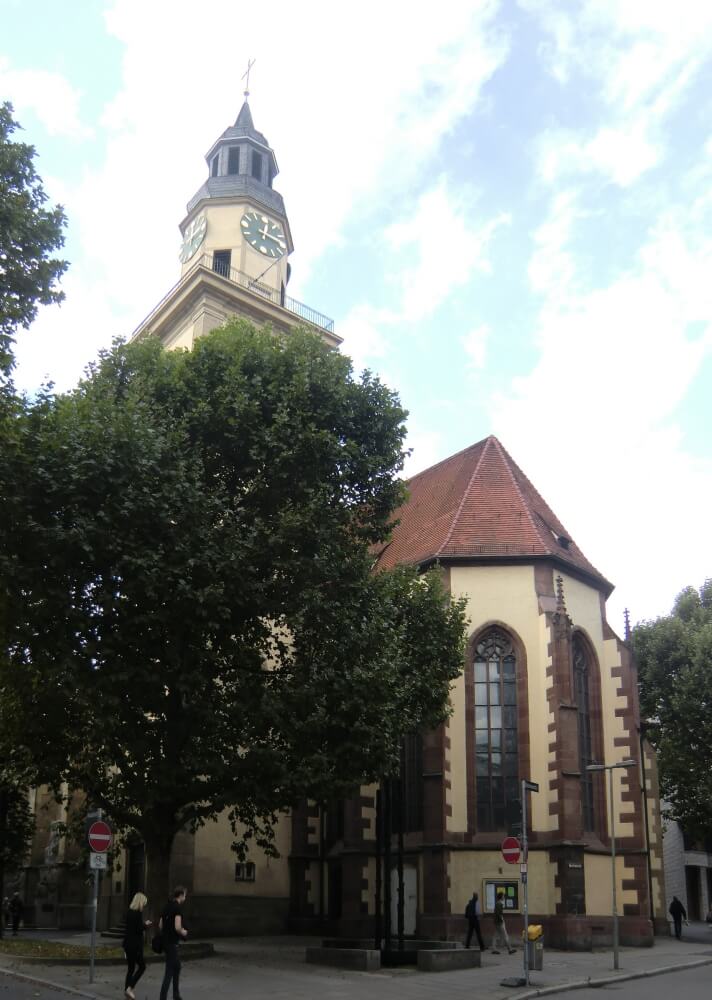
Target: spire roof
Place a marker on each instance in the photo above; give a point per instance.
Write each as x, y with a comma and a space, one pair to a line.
478, 504
244, 119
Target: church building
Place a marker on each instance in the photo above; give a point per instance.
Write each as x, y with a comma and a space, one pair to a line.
547, 687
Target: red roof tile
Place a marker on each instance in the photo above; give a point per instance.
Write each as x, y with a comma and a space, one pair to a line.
478, 504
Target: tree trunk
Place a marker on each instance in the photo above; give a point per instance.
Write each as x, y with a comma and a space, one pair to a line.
3, 839
158, 887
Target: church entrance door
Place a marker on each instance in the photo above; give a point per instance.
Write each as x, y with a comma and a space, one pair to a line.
410, 904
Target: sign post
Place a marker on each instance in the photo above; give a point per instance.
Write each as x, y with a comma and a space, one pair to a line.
100, 838
527, 786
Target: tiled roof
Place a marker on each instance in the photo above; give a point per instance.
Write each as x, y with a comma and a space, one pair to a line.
478, 504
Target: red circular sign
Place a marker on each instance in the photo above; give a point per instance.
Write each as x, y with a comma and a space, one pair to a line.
100, 836
511, 850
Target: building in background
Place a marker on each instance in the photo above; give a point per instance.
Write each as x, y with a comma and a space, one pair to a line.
688, 869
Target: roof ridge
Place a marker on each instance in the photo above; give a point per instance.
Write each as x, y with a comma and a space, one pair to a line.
465, 492
507, 459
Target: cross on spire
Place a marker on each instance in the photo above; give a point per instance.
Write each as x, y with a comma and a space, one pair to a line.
246, 76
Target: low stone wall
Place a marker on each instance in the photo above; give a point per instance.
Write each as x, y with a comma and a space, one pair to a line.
447, 959
363, 959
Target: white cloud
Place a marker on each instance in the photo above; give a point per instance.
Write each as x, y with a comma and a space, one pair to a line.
349, 137
597, 415
447, 249
48, 95
474, 344
640, 60
426, 449
551, 267
364, 341
621, 153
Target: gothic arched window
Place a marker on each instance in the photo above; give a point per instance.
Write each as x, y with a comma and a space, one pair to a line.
496, 740
583, 700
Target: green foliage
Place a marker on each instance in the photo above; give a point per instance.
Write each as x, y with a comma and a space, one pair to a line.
675, 664
194, 624
29, 233
16, 824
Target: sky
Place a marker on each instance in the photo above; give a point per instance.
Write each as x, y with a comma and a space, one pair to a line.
504, 206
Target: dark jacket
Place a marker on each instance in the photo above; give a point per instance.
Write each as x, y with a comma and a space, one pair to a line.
677, 910
133, 935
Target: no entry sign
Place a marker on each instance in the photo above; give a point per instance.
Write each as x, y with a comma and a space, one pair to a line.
100, 836
511, 850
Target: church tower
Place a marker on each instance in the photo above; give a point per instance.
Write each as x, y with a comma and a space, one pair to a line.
235, 245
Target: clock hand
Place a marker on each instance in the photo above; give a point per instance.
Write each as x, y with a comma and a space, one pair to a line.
267, 236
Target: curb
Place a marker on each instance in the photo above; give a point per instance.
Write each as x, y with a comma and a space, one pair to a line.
580, 984
36, 981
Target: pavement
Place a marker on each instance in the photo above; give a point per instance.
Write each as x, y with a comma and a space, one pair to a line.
274, 968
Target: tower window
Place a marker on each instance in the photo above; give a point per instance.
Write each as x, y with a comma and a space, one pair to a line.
257, 165
233, 160
221, 262
214, 167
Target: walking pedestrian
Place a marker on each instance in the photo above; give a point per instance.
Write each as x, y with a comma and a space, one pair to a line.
500, 928
15, 912
678, 913
133, 943
472, 915
173, 931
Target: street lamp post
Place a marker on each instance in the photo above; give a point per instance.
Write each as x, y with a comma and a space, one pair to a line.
610, 768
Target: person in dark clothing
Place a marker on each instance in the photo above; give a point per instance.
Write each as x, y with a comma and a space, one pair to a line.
133, 943
472, 915
678, 913
15, 912
173, 931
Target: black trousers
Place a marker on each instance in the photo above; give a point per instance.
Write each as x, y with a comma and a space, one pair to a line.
136, 965
677, 921
474, 925
172, 970
15, 923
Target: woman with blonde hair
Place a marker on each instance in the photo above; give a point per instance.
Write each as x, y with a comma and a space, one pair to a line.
133, 943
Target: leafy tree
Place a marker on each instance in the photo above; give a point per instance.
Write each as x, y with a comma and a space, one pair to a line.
196, 626
675, 666
29, 234
16, 826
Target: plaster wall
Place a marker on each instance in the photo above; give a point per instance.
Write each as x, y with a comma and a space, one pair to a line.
598, 885
507, 594
468, 871
225, 233
214, 864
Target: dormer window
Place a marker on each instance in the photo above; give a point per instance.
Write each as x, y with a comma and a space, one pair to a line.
214, 167
233, 160
256, 165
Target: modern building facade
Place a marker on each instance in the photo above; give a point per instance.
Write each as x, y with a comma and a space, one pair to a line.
688, 869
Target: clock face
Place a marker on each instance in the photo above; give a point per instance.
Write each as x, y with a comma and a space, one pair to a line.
263, 234
193, 237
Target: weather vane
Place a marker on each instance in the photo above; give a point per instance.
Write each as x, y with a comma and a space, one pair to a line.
246, 76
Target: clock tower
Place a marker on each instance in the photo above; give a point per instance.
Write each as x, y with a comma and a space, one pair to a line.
234, 251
